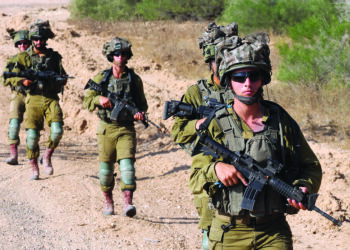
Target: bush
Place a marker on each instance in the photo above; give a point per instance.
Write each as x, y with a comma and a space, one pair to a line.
276, 15
146, 9
319, 51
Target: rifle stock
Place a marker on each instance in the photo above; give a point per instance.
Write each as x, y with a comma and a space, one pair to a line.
184, 110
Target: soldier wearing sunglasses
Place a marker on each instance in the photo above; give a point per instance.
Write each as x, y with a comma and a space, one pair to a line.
263, 130
18, 95
206, 92
117, 138
42, 101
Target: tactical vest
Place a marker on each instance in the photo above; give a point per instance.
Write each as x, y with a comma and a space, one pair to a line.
209, 96
49, 62
124, 89
264, 144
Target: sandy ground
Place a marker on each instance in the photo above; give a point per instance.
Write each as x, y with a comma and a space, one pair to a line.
64, 211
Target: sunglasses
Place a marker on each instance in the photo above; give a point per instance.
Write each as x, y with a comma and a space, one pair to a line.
22, 43
118, 53
38, 39
241, 77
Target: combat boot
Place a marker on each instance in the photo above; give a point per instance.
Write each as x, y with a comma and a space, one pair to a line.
46, 161
129, 209
13, 159
109, 204
35, 169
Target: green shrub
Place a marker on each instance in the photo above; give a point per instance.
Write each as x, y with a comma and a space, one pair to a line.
275, 15
319, 52
146, 9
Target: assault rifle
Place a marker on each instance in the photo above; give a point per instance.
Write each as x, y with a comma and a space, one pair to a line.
259, 177
119, 103
40, 76
182, 109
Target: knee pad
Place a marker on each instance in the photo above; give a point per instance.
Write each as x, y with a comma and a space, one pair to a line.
33, 137
56, 132
14, 129
127, 171
106, 173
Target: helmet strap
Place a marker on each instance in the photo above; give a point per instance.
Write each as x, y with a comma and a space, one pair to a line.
250, 100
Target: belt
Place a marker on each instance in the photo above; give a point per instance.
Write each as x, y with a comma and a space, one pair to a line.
248, 220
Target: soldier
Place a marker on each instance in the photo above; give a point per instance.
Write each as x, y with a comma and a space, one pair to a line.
262, 129
43, 100
205, 92
18, 95
117, 139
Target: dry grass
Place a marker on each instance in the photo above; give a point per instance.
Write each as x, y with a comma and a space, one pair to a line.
323, 114
172, 45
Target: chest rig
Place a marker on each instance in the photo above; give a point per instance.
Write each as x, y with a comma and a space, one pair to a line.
261, 145
48, 62
124, 89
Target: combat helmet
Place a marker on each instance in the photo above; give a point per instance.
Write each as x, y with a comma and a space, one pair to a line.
117, 44
41, 29
20, 35
213, 35
250, 52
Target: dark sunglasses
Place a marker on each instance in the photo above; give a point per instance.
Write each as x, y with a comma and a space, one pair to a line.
38, 39
118, 53
22, 43
241, 77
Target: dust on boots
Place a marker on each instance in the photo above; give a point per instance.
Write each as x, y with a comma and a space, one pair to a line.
128, 209
34, 168
13, 159
46, 161
109, 204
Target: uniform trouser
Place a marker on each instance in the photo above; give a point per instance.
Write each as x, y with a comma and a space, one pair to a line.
116, 143
275, 234
205, 214
17, 109
39, 108
201, 202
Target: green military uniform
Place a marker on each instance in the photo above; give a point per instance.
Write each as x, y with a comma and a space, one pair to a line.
44, 103
117, 139
264, 226
184, 133
202, 93
308, 174
18, 95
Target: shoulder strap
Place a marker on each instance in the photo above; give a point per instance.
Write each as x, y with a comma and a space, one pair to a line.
106, 75
294, 166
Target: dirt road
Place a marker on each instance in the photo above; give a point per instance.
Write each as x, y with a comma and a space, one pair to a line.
64, 211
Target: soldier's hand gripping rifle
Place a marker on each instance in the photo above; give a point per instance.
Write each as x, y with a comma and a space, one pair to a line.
258, 177
118, 103
182, 109
40, 77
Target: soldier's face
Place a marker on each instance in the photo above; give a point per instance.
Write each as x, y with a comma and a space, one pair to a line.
39, 43
120, 59
23, 45
246, 82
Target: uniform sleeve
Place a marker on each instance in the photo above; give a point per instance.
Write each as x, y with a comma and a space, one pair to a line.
203, 166
183, 130
18, 63
310, 171
92, 97
141, 101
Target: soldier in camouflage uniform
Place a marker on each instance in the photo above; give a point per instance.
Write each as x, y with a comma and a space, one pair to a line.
206, 91
43, 101
117, 139
262, 129
18, 95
